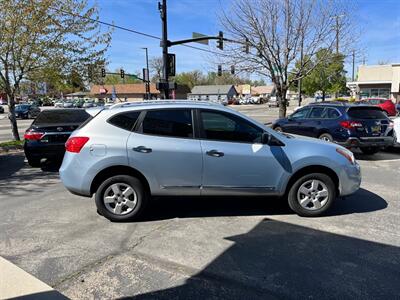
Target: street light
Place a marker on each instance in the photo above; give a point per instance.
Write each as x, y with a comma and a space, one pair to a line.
148, 74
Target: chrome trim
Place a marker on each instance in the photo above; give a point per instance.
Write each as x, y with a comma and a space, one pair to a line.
268, 188
165, 187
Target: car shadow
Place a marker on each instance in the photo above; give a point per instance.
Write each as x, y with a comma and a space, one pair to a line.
10, 164
161, 208
279, 260
387, 154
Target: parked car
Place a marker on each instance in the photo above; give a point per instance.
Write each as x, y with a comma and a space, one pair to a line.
386, 104
1, 109
68, 104
366, 127
59, 104
88, 104
129, 152
396, 133
26, 111
273, 102
46, 137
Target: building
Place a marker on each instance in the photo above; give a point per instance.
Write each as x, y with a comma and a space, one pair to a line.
381, 81
263, 91
133, 92
213, 92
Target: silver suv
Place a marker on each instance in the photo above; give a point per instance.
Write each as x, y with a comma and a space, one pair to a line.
132, 151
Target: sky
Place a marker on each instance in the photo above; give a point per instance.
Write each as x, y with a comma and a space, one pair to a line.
379, 21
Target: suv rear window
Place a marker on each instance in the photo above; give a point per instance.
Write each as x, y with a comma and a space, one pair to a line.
62, 116
366, 113
125, 120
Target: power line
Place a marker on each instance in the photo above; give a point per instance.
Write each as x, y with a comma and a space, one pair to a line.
129, 30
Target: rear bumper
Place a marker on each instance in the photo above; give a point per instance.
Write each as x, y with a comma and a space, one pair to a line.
383, 141
49, 151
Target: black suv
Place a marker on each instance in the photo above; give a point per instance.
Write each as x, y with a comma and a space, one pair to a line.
366, 127
46, 136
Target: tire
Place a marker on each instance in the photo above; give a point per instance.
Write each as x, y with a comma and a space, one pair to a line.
369, 150
34, 163
121, 208
326, 137
278, 129
311, 208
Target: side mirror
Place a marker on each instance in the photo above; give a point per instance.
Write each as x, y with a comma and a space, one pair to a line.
269, 139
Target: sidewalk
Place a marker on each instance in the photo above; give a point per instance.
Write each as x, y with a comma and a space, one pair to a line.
16, 283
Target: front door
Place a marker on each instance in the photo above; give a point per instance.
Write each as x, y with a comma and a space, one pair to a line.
163, 148
235, 161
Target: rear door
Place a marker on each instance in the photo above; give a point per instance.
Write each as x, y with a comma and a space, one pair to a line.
314, 121
164, 148
373, 121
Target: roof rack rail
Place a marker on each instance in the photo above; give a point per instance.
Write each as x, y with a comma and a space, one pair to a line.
167, 101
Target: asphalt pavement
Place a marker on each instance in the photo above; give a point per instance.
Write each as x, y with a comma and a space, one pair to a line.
190, 248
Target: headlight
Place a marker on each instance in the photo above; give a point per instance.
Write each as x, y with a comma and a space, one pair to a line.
347, 154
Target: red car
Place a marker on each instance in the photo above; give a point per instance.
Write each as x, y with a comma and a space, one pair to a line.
386, 104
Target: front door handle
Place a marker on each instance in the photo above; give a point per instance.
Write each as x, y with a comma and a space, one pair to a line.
142, 149
215, 153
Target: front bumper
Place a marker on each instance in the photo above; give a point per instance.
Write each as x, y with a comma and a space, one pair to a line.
381, 141
349, 179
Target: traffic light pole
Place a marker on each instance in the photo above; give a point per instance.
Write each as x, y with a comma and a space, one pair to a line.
164, 43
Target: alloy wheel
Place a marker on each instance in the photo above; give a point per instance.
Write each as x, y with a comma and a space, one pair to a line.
313, 194
120, 198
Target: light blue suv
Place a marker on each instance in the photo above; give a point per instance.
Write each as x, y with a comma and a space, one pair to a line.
132, 151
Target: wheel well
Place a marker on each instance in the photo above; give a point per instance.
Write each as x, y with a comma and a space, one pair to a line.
117, 170
313, 169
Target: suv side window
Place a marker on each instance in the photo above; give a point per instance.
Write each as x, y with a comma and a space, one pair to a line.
224, 127
316, 113
331, 113
125, 120
169, 122
300, 114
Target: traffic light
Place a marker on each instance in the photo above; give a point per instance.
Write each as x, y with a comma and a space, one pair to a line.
233, 70
122, 72
103, 72
220, 41
219, 70
246, 47
171, 66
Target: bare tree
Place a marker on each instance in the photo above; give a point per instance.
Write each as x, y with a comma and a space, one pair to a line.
156, 67
38, 34
277, 32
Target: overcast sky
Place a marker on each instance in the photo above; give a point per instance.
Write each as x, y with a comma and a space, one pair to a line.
379, 20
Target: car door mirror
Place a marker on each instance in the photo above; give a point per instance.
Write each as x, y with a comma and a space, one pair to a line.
269, 139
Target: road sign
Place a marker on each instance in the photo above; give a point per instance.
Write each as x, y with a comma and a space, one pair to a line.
198, 35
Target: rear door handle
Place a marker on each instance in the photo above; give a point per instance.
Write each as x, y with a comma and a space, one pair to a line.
215, 153
142, 149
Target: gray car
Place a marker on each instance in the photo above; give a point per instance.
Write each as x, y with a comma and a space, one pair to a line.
129, 152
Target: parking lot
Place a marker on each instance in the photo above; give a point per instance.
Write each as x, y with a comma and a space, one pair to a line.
236, 248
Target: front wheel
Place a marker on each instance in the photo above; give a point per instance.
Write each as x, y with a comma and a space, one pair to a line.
121, 198
312, 195
370, 150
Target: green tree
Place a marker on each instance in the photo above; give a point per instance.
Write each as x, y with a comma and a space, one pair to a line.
46, 34
327, 75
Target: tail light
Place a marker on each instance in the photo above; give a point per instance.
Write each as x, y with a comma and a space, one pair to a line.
33, 135
350, 124
76, 143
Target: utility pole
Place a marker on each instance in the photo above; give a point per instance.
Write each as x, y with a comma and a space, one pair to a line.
352, 73
164, 43
301, 65
148, 74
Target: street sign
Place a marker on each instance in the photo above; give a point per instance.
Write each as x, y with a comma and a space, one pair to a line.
198, 35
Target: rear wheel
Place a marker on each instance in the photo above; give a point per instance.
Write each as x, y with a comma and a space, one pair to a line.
312, 195
370, 150
278, 129
121, 198
326, 137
